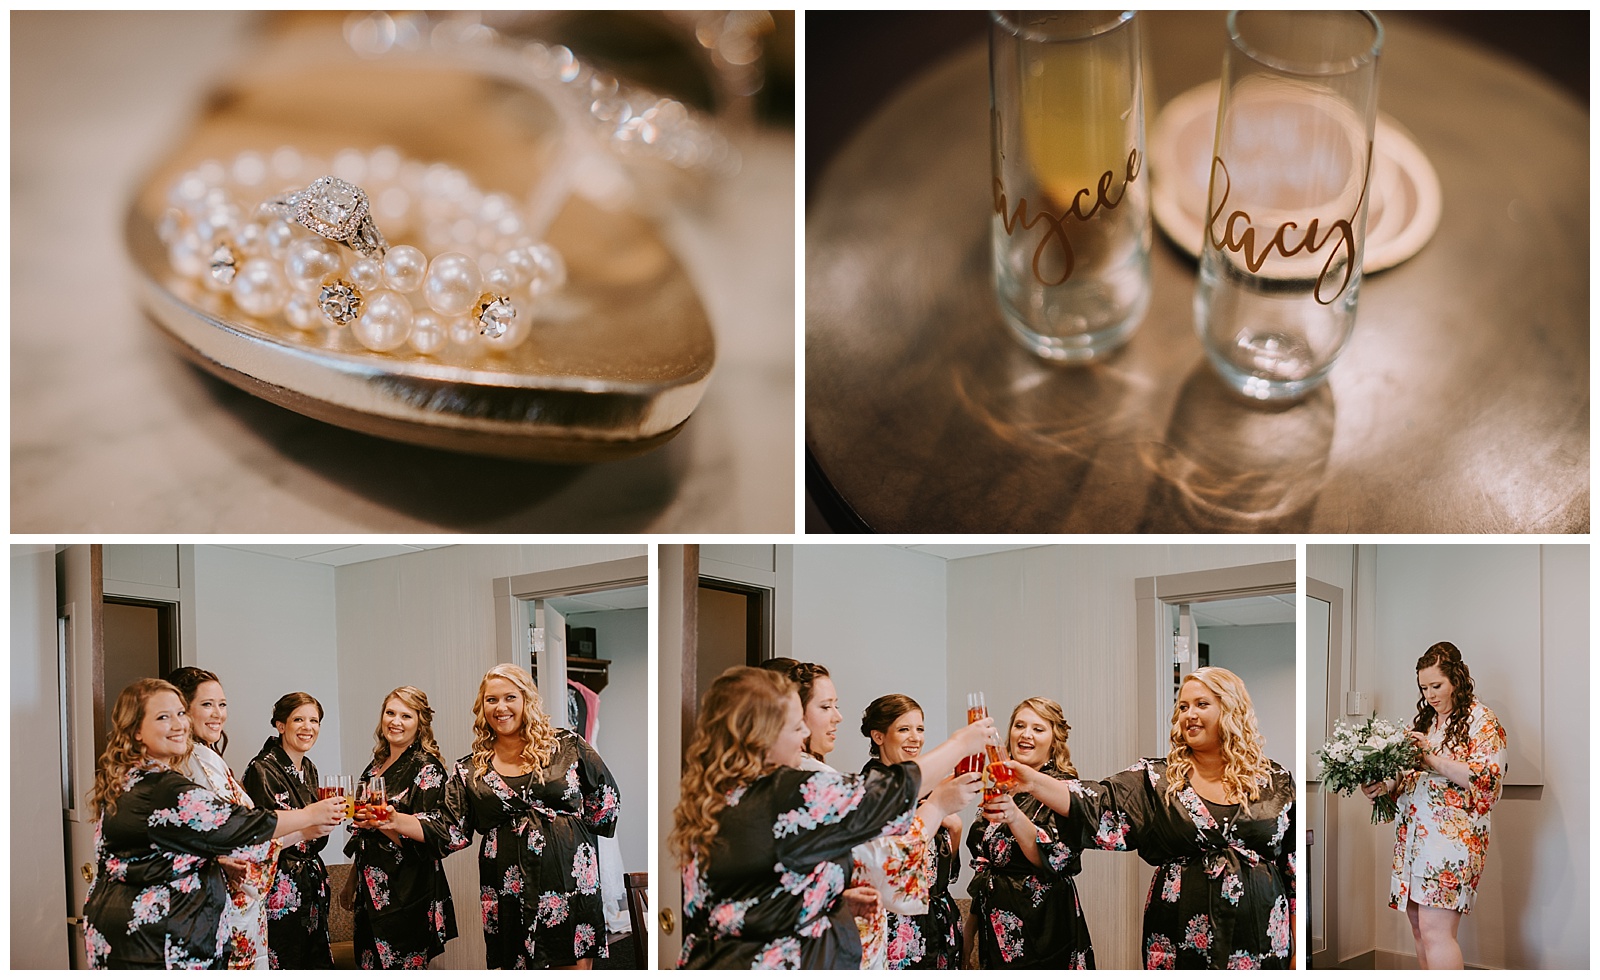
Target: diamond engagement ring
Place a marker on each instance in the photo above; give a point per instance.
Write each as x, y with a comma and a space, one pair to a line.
335, 209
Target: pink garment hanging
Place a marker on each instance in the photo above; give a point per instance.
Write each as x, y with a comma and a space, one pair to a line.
589, 710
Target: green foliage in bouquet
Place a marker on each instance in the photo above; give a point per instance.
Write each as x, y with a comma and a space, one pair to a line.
1375, 751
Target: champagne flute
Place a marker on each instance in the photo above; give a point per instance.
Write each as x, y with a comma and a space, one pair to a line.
377, 799
997, 779
329, 787
975, 709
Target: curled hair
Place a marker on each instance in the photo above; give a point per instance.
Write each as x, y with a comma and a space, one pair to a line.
804, 676
1051, 712
881, 713
1245, 767
538, 735
283, 708
741, 717
188, 680
1445, 656
124, 753
417, 701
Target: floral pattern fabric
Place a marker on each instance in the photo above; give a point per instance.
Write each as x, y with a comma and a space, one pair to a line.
918, 925
768, 896
538, 876
1442, 836
298, 900
244, 918
403, 913
1223, 893
158, 894
1027, 916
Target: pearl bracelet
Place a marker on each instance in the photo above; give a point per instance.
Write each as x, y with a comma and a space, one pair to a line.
315, 256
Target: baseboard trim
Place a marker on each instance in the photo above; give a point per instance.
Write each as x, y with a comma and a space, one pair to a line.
1383, 959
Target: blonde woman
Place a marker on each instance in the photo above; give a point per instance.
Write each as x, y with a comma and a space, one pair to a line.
764, 845
1025, 908
538, 795
157, 898
397, 888
1215, 818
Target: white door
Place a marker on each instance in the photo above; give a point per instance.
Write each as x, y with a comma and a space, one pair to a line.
553, 661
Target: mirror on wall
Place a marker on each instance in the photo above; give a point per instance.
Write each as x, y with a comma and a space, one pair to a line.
1253, 636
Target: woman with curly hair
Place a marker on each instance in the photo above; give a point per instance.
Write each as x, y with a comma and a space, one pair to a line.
1025, 908
397, 887
244, 919
764, 846
539, 796
1215, 818
298, 901
158, 894
1442, 837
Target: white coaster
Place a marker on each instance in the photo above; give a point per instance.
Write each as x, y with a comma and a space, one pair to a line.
1402, 215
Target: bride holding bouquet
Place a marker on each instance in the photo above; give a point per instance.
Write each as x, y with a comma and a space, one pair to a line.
1442, 839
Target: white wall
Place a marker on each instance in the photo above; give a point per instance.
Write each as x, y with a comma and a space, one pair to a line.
38, 894
1485, 600
1264, 655
874, 615
266, 627
1533, 903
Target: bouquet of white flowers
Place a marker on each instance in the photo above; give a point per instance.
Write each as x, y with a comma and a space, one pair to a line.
1354, 757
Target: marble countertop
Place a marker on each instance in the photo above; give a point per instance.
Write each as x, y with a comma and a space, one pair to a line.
111, 432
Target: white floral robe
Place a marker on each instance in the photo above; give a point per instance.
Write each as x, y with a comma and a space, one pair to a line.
244, 920
1442, 838
898, 868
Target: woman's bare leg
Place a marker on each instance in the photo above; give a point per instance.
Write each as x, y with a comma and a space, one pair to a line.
1412, 911
1437, 928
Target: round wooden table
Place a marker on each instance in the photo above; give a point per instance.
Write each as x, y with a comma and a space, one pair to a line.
1460, 406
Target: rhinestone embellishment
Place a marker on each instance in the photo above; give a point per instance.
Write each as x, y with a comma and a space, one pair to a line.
340, 301
495, 315
224, 264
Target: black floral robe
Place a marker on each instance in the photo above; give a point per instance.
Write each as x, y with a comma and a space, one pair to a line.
403, 914
1223, 893
539, 863
1028, 917
932, 940
157, 897
940, 929
298, 903
769, 894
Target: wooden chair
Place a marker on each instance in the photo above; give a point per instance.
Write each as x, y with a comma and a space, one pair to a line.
639, 915
341, 924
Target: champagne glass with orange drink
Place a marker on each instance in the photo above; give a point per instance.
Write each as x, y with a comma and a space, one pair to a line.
997, 777
377, 799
